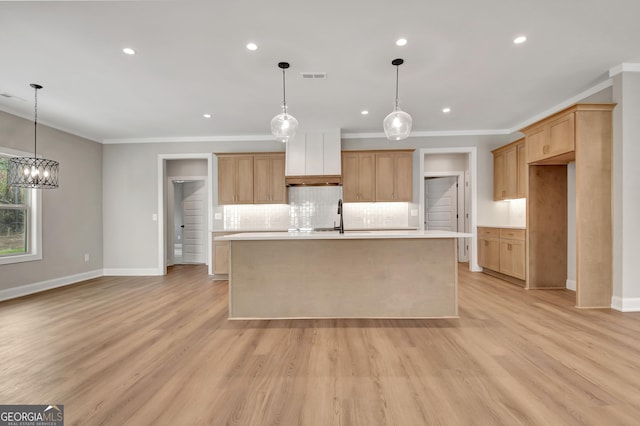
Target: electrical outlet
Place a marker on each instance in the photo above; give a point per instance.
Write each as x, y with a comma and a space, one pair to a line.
414, 212
86, 257
154, 217
218, 216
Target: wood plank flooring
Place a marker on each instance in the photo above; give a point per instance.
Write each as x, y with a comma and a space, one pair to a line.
160, 350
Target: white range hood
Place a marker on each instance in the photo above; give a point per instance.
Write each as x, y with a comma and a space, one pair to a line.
314, 158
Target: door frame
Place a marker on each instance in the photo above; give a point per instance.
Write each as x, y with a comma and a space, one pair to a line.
472, 153
171, 218
460, 198
163, 200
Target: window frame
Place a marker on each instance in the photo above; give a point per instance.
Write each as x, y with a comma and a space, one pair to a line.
33, 204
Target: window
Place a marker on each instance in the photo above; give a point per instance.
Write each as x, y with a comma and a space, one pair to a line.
20, 223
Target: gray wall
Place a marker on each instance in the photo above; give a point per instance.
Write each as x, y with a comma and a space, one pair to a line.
131, 189
71, 214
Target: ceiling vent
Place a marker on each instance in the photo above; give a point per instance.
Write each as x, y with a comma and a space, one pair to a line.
314, 75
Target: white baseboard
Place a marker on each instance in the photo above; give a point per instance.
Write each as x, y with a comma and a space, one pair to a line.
132, 272
24, 290
625, 304
571, 285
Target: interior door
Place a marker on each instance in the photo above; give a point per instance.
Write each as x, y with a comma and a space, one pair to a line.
194, 244
441, 204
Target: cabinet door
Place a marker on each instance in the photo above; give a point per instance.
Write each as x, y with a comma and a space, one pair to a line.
244, 180
350, 173
561, 136
367, 176
489, 253
522, 171
278, 187
512, 261
403, 175
535, 142
511, 173
385, 176
499, 191
220, 257
226, 180
261, 180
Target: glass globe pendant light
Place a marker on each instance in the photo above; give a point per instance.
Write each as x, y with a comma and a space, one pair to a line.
284, 125
397, 125
33, 172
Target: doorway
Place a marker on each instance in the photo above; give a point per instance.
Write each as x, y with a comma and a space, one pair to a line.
444, 207
189, 221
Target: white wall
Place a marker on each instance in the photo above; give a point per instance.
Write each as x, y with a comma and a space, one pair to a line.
626, 191
71, 214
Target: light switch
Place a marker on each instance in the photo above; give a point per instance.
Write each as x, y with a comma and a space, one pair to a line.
414, 212
218, 216
154, 217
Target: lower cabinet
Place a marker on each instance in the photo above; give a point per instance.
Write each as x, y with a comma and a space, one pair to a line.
220, 254
502, 250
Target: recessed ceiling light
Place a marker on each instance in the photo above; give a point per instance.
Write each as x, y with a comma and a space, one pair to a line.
446, 110
129, 51
401, 41
252, 46
206, 115
364, 112
520, 39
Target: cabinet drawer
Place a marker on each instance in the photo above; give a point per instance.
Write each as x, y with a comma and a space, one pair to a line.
512, 234
488, 232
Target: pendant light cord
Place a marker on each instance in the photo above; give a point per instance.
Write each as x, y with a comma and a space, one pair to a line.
35, 128
397, 74
284, 93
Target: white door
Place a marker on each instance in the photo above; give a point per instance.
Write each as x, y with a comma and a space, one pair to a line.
194, 244
441, 203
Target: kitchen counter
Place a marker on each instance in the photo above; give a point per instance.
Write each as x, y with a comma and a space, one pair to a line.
348, 235
359, 274
503, 227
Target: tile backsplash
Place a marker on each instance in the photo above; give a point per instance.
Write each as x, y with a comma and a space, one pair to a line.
311, 207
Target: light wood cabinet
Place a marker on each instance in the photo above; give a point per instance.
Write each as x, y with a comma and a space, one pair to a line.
552, 142
581, 133
377, 175
509, 171
220, 254
235, 179
522, 170
502, 250
358, 176
393, 176
489, 248
268, 179
512, 253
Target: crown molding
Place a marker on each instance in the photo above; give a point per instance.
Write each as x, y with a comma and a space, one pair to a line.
624, 67
430, 134
185, 139
565, 104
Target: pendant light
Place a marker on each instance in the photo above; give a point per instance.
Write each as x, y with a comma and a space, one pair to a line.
397, 125
284, 125
33, 172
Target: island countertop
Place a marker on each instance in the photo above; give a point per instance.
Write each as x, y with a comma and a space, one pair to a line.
348, 235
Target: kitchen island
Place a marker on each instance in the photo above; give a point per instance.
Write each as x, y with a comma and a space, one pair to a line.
358, 274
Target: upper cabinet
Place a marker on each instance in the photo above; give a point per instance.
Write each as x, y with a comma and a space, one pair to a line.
235, 179
268, 179
377, 175
251, 179
314, 153
509, 171
552, 141
358, 176
393, 176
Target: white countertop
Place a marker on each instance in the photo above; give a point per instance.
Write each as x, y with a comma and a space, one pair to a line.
348, 235
503, 226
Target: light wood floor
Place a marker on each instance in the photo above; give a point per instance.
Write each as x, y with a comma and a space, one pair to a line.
159, 350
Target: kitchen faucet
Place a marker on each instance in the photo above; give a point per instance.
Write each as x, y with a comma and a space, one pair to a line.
341, 227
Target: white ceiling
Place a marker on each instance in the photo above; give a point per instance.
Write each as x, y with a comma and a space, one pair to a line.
192, 60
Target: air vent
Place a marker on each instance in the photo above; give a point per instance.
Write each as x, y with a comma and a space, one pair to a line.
314, 75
